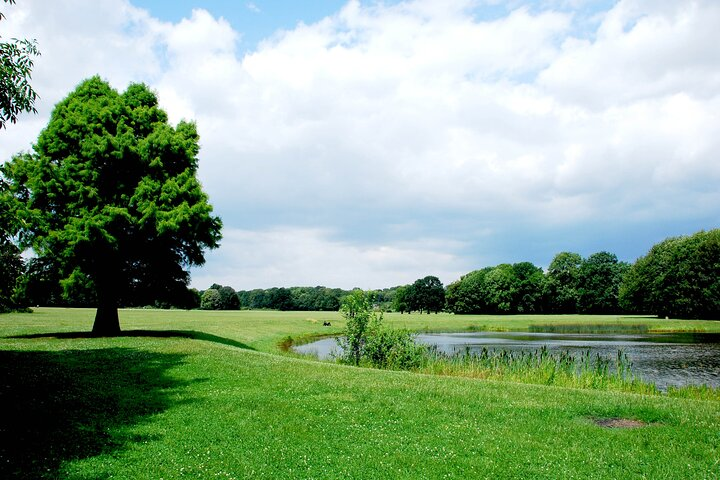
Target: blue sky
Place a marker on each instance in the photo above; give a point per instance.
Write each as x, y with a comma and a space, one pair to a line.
258, 20
254, 20
358, 143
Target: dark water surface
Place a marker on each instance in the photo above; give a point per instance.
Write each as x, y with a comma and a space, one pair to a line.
676, 359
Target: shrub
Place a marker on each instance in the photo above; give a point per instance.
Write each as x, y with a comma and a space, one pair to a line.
211, 300
369, 343
393, 349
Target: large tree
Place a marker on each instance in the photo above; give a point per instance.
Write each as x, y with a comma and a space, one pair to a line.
110, 194
599, 279
562, 282
530, 289
469, 295
401, 301
16, 63
679, 277
427, 294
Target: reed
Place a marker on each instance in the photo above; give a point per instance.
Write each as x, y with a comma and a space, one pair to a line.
599, 328
541, 367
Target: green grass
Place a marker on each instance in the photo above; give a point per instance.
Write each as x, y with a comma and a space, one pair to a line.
179, 398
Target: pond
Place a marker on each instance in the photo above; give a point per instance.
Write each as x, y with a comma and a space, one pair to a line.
676, 359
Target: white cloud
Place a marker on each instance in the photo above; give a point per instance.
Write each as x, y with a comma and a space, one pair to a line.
643, 50
414, 113
106, 37
300, 256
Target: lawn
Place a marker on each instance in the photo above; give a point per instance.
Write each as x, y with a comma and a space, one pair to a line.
209, 395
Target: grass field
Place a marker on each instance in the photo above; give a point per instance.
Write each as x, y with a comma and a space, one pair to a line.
210, 395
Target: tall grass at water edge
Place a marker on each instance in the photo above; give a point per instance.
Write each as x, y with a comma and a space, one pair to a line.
590, 328
540, 367
563, 369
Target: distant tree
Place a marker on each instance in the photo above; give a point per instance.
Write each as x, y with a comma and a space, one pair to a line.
599, 279
315, 298
453, 296
228, 297
469, 294
401, 302
281, 299
329, 299
40, 284
562, 282
11, 269
427, 294
302, 298
501, 287
248, 299
11, 263
530, 288
679, 277
211, 300
111, 190
16, 93
294, 298
260, 298
194, 299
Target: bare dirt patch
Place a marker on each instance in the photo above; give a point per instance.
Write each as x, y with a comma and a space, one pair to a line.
619, 423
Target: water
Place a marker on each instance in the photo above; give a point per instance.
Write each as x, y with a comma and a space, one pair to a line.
663, 359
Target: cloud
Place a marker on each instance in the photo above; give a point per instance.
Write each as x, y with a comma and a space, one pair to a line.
297, 256
642, 50
479, 132
106, 37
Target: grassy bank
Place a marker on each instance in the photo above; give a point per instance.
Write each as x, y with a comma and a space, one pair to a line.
165, 403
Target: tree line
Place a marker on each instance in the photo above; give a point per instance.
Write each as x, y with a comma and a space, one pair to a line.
572, 284
678, 277
319, 298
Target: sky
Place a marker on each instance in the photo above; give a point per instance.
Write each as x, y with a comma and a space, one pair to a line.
368, 144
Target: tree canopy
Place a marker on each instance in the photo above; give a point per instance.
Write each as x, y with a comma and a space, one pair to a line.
211, 300
110, 196
679, 277
599, 279
571, 285
562, 282
426, 294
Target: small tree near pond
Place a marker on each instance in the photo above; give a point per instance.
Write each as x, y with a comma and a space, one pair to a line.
368, 342
357, 311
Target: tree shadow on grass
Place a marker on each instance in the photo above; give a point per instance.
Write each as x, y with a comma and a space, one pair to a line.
74, 404
192, 334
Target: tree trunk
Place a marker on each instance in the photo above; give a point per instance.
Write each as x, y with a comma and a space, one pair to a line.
107, 322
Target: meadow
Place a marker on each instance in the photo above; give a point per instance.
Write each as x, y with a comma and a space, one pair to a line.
213, 395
